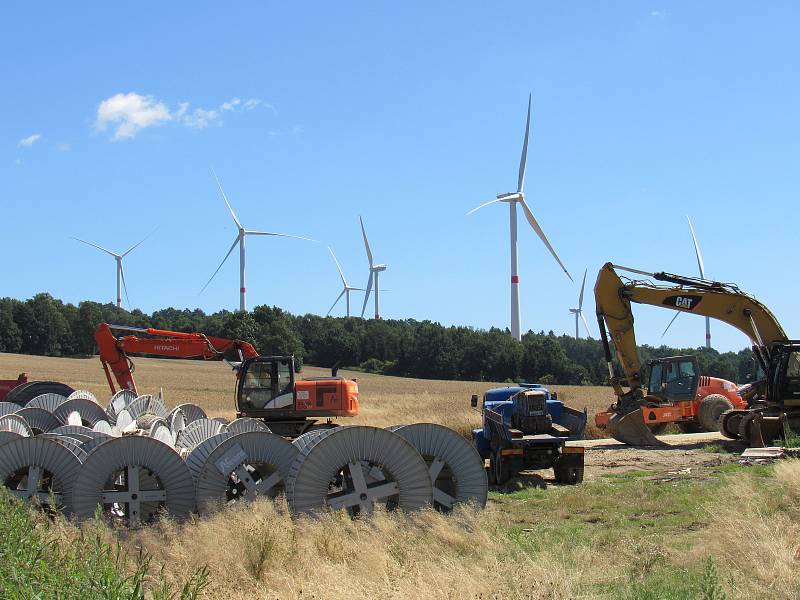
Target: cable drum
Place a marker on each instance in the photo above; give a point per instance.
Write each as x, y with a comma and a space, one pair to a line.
243, 467
197, 431
191, 412
48, 402
133, 478
7, 436
8, 408
200, 453
118, 403
84, 394
353, 468
17, 424
40, 420
38, 469
147, 404
246, 424
456, 469
72, 443
90, 412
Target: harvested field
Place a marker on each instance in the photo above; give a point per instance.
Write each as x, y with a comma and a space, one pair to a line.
384, 400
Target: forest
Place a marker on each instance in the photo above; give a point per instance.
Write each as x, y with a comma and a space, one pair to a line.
43, 325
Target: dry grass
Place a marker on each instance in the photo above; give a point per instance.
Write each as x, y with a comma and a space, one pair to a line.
384, 400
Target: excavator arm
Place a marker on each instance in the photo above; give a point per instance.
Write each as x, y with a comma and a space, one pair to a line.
118, 366
721, 301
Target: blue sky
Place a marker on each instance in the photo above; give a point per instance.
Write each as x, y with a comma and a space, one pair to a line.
409, 114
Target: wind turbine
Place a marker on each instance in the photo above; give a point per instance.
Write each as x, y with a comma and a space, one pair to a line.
374, 271
702, 270
513, 199
242, 233
346, 289
120, 271
578, 312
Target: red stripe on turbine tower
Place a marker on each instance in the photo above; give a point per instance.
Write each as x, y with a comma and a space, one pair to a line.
515, 279
242, 290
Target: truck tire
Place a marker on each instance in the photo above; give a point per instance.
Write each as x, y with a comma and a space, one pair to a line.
729, 423
22, 394
711, 409
499, 468
568, 470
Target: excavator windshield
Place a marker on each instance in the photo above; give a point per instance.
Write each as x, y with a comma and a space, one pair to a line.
267, 383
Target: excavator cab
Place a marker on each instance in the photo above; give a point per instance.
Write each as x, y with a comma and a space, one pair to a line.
265, 385
673, 379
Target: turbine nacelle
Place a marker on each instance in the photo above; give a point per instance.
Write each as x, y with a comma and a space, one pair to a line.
511, 197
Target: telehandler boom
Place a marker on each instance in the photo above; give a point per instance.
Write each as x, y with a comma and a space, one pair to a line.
779, 357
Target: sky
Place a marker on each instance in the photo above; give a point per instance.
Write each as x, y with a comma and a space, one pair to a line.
409, 115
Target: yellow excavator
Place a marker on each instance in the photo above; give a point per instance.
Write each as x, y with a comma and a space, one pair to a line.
773, 404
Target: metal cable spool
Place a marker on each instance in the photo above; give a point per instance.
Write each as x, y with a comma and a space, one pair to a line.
48, 402
102, 427
456, 469
73, 443
159, 431
39, 469
355, 467
199, 454
40, 420
73, 430
124, 420
118, 402
177, 421
84, 394
93, 443
26, 392
147, 405
89, 412
197, 431
246, 424
302, 440
243, 467
16, 424
133, 478
8, 408
7, 436
192, 412
147, 420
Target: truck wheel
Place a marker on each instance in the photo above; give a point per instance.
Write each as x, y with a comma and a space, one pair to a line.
500, 468
711, 409
729, 423
568, 470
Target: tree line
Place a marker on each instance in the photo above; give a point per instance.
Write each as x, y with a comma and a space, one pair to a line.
43, 325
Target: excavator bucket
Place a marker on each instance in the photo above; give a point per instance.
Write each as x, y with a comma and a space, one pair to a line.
630, 428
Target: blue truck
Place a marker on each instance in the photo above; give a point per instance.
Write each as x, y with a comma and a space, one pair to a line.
526, 427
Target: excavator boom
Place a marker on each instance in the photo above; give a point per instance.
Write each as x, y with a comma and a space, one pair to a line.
173, 344
721, 301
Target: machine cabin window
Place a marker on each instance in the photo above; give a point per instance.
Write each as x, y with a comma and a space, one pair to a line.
284, 377
680, 378
259, 384
791, 385
655, 378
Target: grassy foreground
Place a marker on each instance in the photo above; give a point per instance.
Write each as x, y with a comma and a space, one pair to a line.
639, 536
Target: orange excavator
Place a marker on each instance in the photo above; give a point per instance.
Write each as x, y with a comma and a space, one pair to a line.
266, 387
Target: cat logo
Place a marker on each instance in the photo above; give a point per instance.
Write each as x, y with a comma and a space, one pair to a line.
683, 302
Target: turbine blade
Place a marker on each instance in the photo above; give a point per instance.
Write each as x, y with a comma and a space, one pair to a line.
670, 324
482, 205
224, 197
236, 241
297, 237
95, 246
589, 333
339, 297
124, 285
338, 266
523, 161
128, 251
697, 251
366, 296
542, 236
580, 298
366, 245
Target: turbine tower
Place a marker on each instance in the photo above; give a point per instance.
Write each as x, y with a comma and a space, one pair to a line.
578, 312
374, 271
240, 236
702, 269
346, 289
120, 271
513, 199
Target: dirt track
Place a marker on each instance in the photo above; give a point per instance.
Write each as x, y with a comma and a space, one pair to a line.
681, 452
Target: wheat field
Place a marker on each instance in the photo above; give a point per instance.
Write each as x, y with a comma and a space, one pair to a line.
383, 400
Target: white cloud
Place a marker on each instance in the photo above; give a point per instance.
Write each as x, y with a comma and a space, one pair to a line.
658, 14
30, 140
63, 147
130, 113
